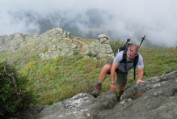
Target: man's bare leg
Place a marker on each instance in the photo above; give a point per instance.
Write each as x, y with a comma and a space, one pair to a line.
105, 70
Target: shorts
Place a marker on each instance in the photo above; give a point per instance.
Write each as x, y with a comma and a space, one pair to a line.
110, 63
121, 78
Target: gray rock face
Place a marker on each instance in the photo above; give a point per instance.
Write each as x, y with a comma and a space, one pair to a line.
156, 98
81, 106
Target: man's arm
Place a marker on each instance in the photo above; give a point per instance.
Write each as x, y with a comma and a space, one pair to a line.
140, 75
113, 82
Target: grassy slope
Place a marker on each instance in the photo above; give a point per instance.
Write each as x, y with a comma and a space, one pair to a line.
60, 78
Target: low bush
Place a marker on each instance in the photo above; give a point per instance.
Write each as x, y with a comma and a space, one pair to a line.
14, 95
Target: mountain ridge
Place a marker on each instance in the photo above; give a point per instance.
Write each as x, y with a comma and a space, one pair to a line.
57, 42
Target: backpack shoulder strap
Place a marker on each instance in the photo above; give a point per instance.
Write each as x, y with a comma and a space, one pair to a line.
135, 62
124, 58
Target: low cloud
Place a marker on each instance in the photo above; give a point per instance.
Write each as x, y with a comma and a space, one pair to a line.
119, 19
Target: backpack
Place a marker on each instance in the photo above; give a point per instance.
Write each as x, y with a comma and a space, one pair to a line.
124, 48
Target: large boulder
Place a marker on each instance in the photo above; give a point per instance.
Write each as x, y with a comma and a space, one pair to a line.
101, 48
81, 106
98, 50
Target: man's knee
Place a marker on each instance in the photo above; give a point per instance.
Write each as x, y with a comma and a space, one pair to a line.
107, 67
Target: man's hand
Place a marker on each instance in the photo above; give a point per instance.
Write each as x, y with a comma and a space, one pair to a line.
139, 81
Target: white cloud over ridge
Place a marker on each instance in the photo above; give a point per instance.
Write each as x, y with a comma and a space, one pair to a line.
120, 19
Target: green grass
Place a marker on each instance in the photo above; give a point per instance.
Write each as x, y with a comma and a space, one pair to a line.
159, 60
61, 78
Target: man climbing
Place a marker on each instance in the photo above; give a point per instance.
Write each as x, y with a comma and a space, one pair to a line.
123, 62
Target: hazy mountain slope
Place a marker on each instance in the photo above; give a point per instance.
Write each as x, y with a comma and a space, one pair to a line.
54, 76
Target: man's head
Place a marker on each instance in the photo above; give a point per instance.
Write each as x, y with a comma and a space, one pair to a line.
132, 51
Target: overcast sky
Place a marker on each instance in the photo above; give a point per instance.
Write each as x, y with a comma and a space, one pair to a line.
119, 19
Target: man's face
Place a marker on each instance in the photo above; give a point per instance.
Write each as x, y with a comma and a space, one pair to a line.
132, 52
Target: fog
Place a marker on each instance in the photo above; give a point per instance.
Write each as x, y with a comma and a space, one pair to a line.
119, 19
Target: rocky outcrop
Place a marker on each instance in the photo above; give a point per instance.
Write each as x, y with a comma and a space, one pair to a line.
13, 42
156, 98
57, 42
103, 39
101, 48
